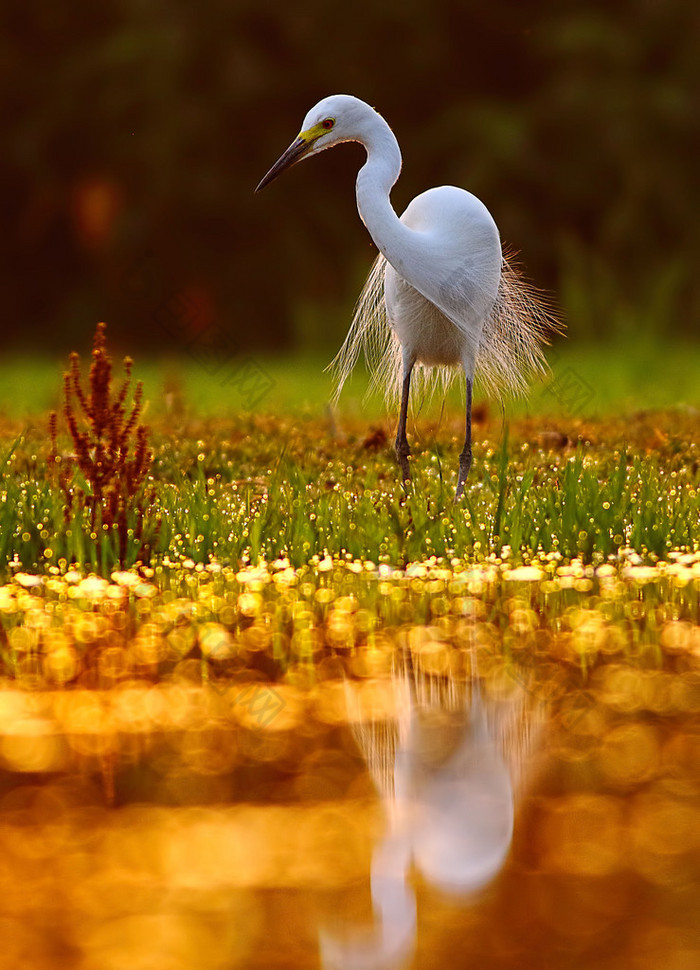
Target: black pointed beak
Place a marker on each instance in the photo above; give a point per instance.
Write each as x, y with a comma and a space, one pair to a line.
294, 154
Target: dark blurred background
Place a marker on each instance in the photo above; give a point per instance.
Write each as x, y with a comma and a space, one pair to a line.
134, 133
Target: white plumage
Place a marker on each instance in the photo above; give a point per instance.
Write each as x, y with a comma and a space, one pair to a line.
441, 293
515, 330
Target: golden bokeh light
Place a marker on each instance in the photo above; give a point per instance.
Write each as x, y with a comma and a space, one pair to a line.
186, 754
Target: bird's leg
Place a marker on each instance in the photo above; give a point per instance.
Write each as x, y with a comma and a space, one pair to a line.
402, 448
465, 459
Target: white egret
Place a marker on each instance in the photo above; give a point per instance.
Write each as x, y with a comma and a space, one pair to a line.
441, 293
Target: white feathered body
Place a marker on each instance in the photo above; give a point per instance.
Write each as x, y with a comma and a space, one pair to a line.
461, 240
500, 343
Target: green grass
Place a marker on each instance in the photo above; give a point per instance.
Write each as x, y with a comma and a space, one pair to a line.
276, 490
238, 480
587, 380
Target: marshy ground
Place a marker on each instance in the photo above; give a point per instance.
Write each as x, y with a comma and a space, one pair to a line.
195, 710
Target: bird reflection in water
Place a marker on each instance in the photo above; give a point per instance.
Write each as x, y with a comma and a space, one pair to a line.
449, 768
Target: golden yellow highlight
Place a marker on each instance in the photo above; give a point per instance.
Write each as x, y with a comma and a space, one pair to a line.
223, 710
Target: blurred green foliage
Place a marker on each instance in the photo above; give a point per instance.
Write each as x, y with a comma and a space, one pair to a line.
134, 134
586, 382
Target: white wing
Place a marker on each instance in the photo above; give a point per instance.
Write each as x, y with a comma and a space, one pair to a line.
510, 352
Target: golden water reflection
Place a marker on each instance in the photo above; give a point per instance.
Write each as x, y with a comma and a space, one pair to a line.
346, 767
383, 823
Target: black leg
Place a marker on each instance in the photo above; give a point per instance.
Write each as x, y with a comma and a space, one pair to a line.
402, 448
465, 459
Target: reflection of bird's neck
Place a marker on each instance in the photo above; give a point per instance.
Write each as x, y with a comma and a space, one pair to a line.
374, 183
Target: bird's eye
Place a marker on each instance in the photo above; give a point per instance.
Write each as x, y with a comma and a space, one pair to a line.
328, 124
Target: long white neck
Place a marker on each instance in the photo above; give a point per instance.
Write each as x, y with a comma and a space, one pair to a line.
374, 183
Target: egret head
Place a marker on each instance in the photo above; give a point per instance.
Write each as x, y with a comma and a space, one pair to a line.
333, 120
